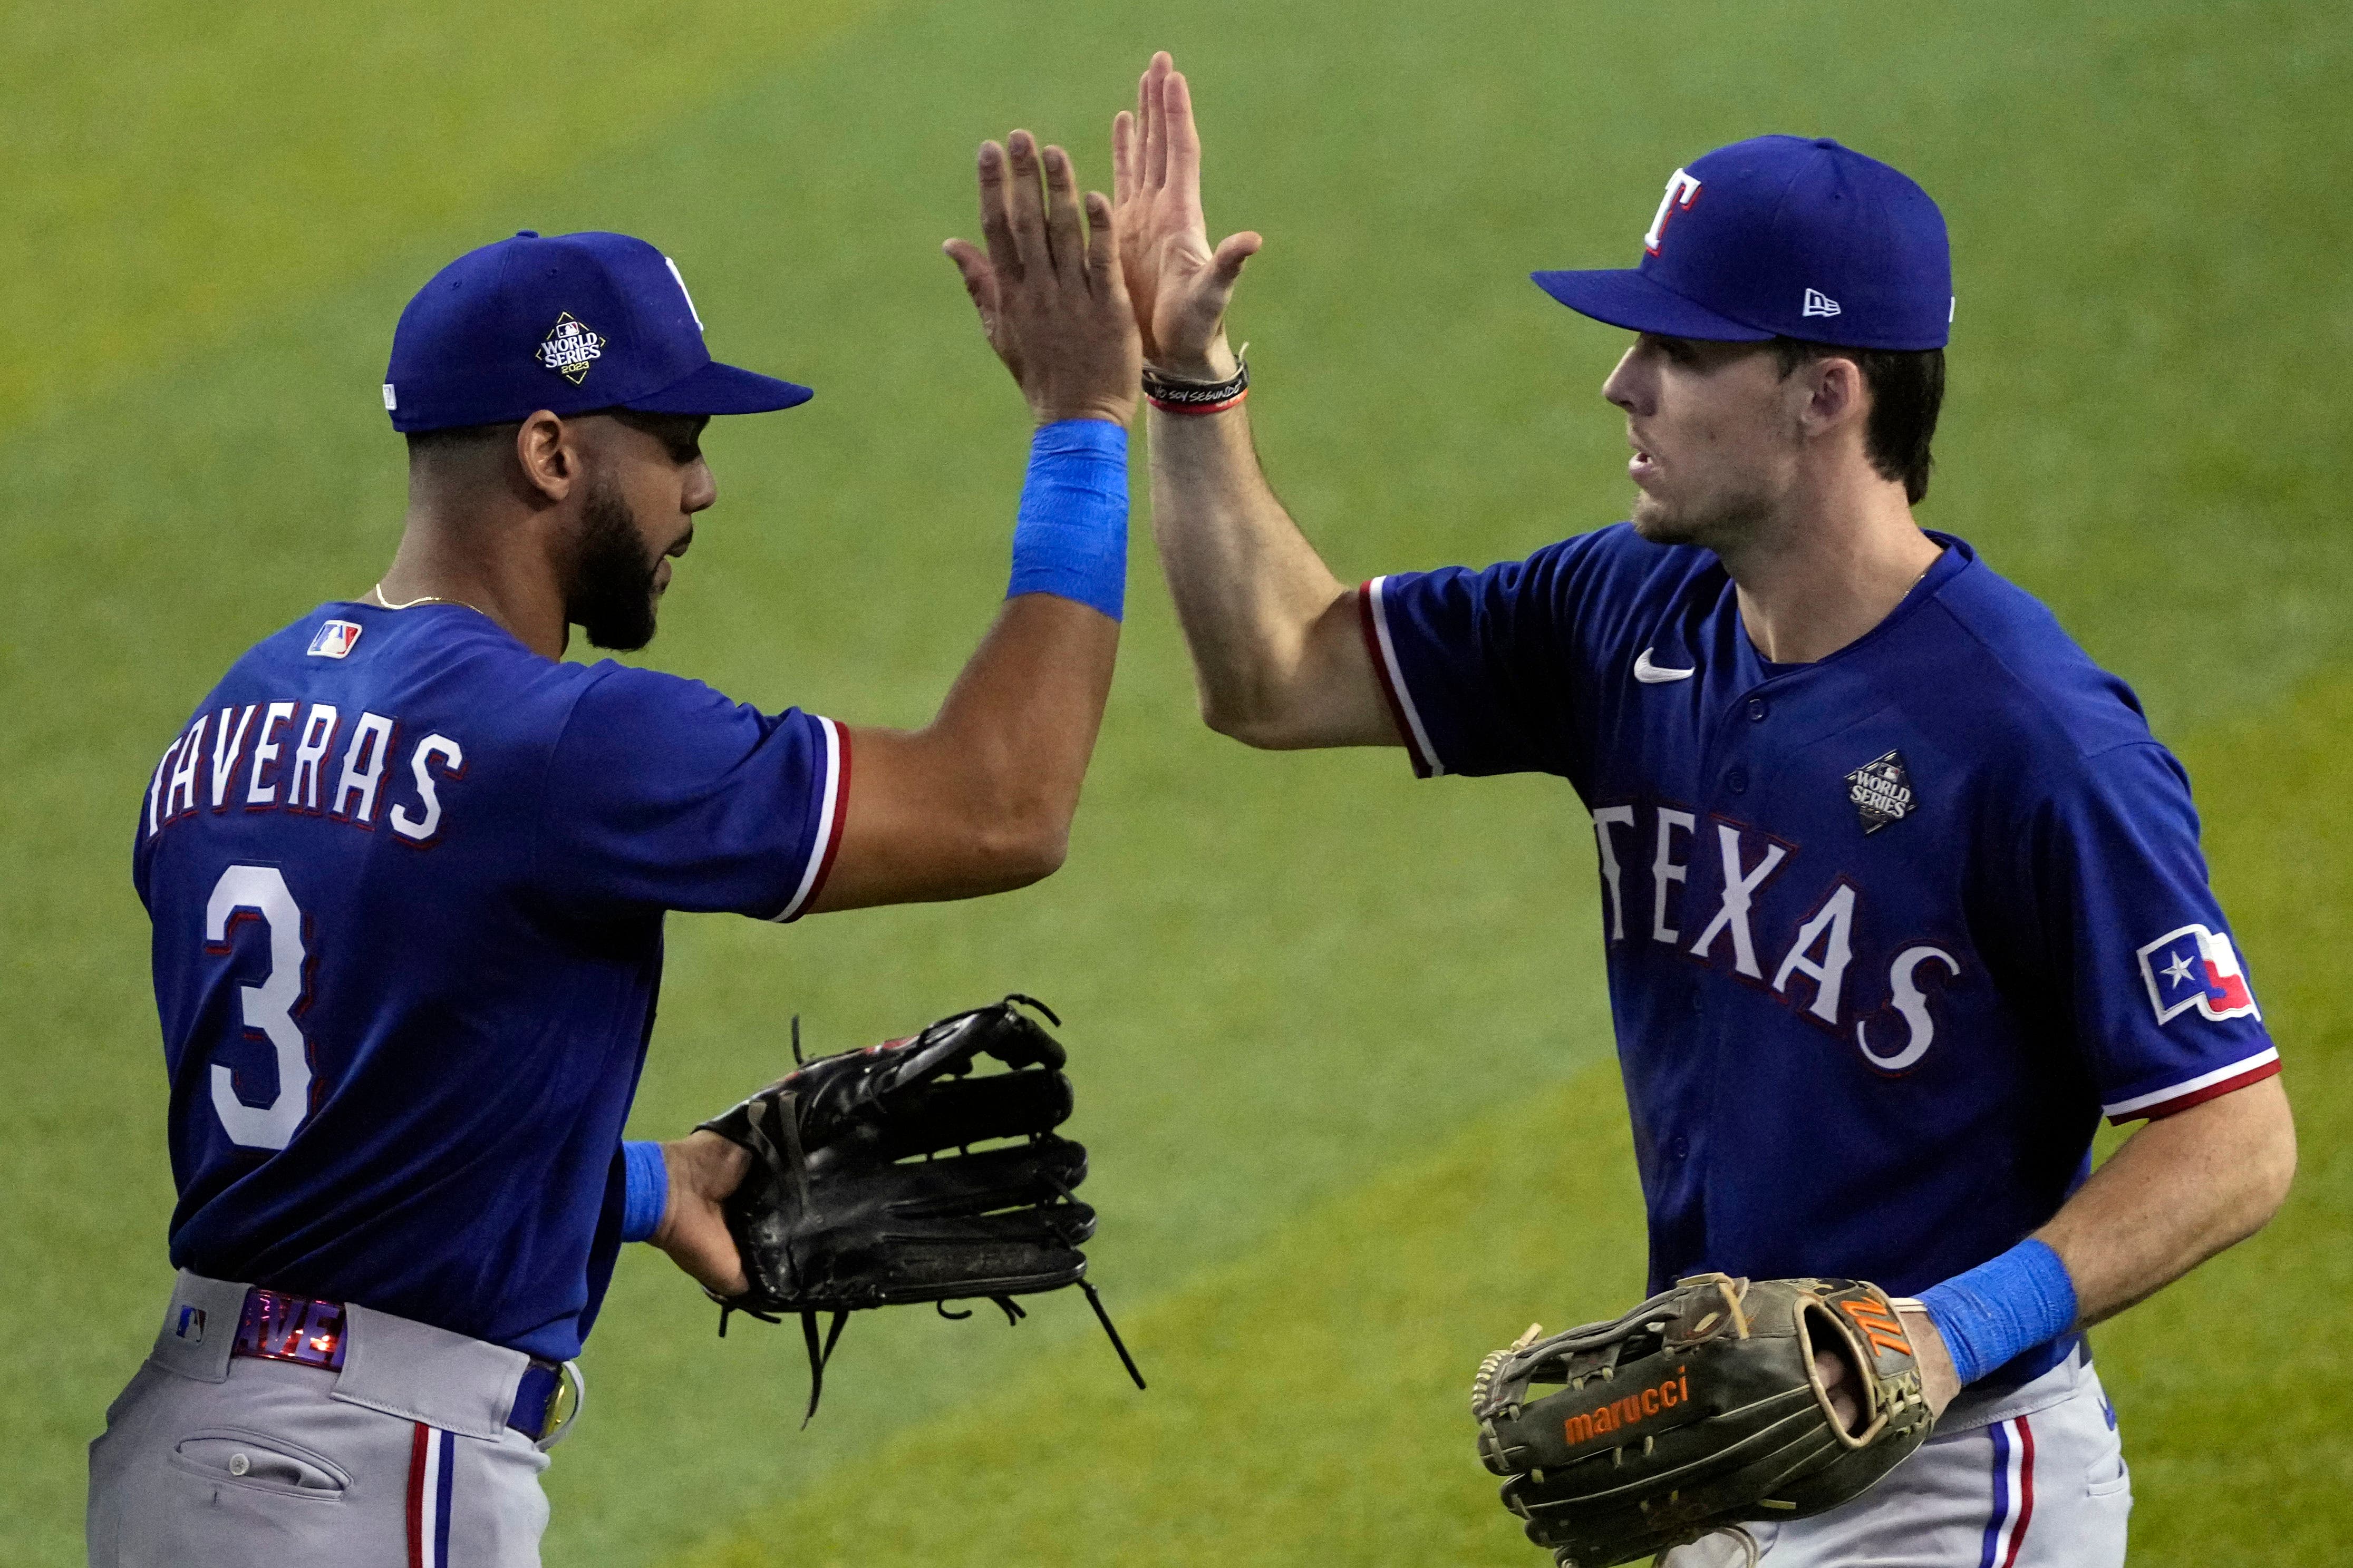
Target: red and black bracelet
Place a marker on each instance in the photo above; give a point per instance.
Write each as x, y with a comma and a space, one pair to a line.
1173, 397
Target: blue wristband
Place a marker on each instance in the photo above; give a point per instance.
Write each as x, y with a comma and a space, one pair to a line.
645, 1192
2003, 1308
1071, 538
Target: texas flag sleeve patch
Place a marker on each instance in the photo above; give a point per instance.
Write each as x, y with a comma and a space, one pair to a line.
2194, 967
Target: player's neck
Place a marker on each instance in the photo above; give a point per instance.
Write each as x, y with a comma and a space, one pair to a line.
443, 559
1829, 566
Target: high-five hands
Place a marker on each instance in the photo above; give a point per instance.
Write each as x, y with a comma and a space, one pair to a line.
1178, 285
1049, 291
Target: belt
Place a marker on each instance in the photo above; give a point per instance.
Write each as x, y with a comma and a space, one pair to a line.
275, 1326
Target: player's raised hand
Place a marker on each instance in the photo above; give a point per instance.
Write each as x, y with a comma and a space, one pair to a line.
1177, 282
1049, 288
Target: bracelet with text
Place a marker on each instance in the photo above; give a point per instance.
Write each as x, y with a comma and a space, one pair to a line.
1171, 395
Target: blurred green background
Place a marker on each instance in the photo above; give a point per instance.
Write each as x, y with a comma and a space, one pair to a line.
1343, 1047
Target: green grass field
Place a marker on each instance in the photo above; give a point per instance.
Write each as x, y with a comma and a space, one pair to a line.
1342, 1041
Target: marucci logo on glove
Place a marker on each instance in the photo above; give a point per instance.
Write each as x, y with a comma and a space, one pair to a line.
1603, 1478
1625, 1411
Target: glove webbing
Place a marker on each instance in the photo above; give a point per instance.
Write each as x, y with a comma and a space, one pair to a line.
795, 1172
1093, 1301
794, 1163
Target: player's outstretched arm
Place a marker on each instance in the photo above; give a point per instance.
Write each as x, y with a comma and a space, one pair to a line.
980, 800
1277, 651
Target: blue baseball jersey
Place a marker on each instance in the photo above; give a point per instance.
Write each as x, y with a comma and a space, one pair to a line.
1886, 934
408, 880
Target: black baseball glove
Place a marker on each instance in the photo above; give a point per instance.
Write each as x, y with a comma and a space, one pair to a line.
1700, 1409
864, 1191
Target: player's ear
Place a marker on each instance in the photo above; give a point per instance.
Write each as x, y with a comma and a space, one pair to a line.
548, 452
1836, 394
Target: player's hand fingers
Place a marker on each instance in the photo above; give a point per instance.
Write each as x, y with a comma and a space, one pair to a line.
995, 223
1105, 278
979, 280
1833, 1369
1025, 205
1155, 122
1226, 264
1123, 157
1064, 233
1184, 147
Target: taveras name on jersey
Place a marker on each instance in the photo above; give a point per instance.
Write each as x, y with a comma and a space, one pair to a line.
408, 882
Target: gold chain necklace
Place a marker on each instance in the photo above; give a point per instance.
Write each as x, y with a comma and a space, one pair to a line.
423, 599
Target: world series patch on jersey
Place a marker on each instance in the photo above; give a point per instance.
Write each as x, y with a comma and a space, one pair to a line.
408, 882
1886, 934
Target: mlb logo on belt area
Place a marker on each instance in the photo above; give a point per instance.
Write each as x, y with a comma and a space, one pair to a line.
334, 639
2194, 967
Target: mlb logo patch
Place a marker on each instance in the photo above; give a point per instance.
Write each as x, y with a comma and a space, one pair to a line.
336, 639
191, 1326
2194, 967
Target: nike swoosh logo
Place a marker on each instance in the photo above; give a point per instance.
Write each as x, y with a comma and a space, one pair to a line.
1649, 674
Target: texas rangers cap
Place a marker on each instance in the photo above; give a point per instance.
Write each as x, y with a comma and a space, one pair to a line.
569, 324
1782, 237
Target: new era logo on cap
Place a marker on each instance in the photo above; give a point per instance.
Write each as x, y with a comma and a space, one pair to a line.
1819, 304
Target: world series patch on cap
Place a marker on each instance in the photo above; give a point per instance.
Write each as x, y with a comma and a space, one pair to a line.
1782, 237
570, 323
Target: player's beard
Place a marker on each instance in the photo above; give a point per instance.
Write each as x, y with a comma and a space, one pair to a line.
611, 595
1712, 520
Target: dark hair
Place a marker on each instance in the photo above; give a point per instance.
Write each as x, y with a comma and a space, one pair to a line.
1907, 388
466, 438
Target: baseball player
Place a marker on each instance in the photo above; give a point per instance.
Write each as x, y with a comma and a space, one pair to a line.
1898, 895
408, 872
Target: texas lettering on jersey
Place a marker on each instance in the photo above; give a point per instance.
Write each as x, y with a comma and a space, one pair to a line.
1871, 921
1804, 963
308, 758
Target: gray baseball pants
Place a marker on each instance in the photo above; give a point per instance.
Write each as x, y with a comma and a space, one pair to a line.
2033, 1480
402, 1460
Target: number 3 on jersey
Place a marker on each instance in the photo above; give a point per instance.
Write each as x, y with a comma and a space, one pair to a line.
259, 893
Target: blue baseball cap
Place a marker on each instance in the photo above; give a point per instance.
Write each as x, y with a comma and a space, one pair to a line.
1782, 237
571, 323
